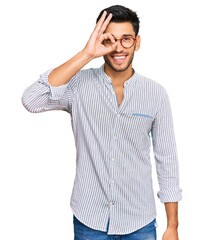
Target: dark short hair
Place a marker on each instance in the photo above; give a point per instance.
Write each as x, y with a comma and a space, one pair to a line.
122, 14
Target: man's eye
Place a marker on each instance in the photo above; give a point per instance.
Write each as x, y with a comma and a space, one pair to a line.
107, 41
126, 39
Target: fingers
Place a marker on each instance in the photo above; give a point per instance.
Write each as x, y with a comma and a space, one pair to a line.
105, 24
106, 36
100, 22
98, 25
113, 44
111, 48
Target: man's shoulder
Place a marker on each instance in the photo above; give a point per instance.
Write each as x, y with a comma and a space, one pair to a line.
86, 75
149, 83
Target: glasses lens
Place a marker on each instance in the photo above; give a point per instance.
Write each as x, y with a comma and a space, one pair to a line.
127, 42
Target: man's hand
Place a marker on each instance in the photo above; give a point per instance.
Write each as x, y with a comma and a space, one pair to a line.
170, 234
94, 47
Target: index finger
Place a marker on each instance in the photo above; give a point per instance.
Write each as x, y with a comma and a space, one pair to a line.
105, 24
100, 22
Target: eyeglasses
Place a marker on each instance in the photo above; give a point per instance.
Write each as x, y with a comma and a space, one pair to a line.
126, 42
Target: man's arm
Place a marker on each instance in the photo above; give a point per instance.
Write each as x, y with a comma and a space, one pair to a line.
172, 214
171, 232
56, 88
93, 49
165, 152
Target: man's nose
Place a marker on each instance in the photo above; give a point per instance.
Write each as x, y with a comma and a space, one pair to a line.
119, 47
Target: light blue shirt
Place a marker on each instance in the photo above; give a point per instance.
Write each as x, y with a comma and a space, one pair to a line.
113, 167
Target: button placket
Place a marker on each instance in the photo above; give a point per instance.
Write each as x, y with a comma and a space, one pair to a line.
112, 180
114, 94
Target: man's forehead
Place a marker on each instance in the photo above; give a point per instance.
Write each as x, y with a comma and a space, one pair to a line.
120, 29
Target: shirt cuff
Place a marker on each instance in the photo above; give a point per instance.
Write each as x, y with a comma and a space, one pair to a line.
56, 92
170, 195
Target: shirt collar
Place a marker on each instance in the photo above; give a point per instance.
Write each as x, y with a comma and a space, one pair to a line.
108, 80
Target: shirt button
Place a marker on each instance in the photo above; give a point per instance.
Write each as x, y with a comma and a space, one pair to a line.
118, 115
113, 159
112, 92
112, 202
112, 181
115, 137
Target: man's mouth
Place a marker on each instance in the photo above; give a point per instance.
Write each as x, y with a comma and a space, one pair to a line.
119, 58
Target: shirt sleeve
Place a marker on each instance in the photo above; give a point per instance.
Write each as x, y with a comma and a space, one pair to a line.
165, 153
41, 96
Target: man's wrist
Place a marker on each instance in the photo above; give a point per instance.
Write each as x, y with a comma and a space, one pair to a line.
86, 55
172, 225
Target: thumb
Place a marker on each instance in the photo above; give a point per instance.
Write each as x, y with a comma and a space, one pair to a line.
112, 47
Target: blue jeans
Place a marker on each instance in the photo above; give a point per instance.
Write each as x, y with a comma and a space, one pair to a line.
82, 232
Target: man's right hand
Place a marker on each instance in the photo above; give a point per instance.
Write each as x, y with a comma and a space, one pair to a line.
94, 47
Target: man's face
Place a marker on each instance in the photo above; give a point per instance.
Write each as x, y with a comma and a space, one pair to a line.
121, 59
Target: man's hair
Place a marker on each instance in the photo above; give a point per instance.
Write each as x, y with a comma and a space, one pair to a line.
122, 14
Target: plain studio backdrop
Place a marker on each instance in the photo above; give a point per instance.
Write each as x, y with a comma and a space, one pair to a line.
38, 155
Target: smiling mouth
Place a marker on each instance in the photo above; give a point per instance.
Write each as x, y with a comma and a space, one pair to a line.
119, 58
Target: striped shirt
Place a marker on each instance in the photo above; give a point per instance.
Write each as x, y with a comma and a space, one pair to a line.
113, 168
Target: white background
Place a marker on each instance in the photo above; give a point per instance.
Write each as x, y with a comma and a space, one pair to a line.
37, 167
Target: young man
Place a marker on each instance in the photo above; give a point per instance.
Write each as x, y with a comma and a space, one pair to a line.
113, 111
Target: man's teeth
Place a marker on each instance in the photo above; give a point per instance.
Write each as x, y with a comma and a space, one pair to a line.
122, 57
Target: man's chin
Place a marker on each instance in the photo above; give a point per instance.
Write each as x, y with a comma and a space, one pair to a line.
118, 67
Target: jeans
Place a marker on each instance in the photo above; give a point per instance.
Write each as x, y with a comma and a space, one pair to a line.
82, 232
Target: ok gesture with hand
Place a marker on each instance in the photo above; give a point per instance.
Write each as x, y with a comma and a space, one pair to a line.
94, 47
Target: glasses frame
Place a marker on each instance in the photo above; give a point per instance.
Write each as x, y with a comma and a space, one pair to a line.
116, 39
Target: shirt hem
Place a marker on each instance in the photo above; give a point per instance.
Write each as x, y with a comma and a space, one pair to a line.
111, 232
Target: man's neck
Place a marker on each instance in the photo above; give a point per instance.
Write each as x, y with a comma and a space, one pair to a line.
118, 78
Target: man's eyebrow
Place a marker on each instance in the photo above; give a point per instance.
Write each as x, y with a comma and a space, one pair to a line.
124, 35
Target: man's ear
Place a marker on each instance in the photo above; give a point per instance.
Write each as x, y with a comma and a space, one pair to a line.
138, 41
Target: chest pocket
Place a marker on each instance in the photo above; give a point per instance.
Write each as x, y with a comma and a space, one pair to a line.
139, 123
142, 115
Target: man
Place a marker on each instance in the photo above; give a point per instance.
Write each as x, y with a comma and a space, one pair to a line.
113, 111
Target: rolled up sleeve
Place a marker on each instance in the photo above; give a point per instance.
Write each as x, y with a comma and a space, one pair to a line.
41, 96
165, 153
